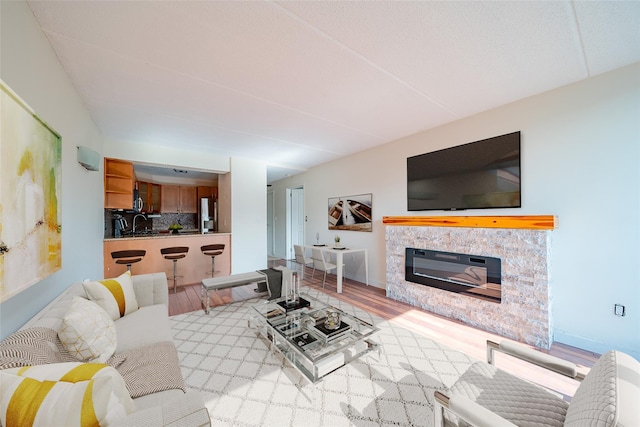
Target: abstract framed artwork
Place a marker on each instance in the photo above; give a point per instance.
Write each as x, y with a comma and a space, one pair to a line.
350, 212
30, 179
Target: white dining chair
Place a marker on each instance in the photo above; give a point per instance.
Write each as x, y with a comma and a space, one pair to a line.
319, 263
301, 258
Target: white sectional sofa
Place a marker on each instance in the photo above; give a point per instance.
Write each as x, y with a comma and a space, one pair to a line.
144, 355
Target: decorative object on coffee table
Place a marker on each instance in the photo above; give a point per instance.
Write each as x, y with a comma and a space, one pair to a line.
289, 307
301, 337
332, 322
292, 288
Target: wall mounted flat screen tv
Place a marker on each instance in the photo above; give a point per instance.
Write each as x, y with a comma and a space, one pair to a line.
478, 175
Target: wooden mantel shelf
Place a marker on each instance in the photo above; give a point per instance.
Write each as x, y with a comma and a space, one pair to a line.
535, 222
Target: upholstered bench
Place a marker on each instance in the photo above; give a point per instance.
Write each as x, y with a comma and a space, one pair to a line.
225, 282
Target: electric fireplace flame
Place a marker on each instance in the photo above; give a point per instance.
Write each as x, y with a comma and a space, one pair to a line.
472, 275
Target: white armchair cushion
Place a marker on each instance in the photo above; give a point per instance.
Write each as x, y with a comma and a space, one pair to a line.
477, 415
514, 399
609, 395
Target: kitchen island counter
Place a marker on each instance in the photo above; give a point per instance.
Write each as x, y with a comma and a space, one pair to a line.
194, 267
163, 235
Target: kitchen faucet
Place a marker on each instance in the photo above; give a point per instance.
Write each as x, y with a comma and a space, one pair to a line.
133, 227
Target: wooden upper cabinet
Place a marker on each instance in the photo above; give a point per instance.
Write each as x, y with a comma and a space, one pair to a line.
170, 198
210, 193
142, 191
118, 184
188, 200
155, 198
150, 195
178, 199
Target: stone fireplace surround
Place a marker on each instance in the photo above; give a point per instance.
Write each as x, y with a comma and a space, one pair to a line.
522, 243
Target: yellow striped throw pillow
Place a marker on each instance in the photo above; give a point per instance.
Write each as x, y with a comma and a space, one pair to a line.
63, 394
116, 296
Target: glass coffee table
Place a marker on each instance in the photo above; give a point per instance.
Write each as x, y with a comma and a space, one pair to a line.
314, 346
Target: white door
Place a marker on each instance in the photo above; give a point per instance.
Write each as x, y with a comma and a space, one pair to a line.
270, 231
295, 219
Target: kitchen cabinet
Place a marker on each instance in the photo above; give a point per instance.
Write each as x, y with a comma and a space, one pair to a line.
178, 199
118, 184
188, 199
210, 193
154, 199
150, 195
170, 199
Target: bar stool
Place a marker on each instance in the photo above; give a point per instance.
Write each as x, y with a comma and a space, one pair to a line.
174, 254
128, 257
213, 251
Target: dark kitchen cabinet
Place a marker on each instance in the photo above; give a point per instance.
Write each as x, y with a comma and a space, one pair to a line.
150, 195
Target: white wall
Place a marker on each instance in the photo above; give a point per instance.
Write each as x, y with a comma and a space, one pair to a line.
167, 156
31, 69
249, 215
580, 161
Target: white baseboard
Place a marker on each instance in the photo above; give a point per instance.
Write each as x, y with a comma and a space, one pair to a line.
591, 345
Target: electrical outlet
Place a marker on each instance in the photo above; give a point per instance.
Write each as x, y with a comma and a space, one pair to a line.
618, 309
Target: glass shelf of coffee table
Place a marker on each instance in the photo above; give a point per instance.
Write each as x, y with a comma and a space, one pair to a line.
300, 335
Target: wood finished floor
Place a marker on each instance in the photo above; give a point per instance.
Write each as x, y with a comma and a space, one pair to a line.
456, 335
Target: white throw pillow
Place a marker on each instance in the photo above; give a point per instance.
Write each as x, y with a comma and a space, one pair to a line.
88, 332
116, 296
63, 394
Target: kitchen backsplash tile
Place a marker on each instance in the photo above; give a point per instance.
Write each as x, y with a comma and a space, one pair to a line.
188, 222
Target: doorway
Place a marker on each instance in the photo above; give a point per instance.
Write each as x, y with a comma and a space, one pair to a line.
295, 219
270, 229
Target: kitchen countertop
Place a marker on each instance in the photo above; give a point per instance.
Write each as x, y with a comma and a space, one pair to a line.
164, 235
192, 270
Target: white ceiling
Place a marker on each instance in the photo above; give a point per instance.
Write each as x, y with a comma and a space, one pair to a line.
297, 84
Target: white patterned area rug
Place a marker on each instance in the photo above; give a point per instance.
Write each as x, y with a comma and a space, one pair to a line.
245, 384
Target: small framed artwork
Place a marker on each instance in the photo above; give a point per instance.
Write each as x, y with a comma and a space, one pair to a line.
350, 212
